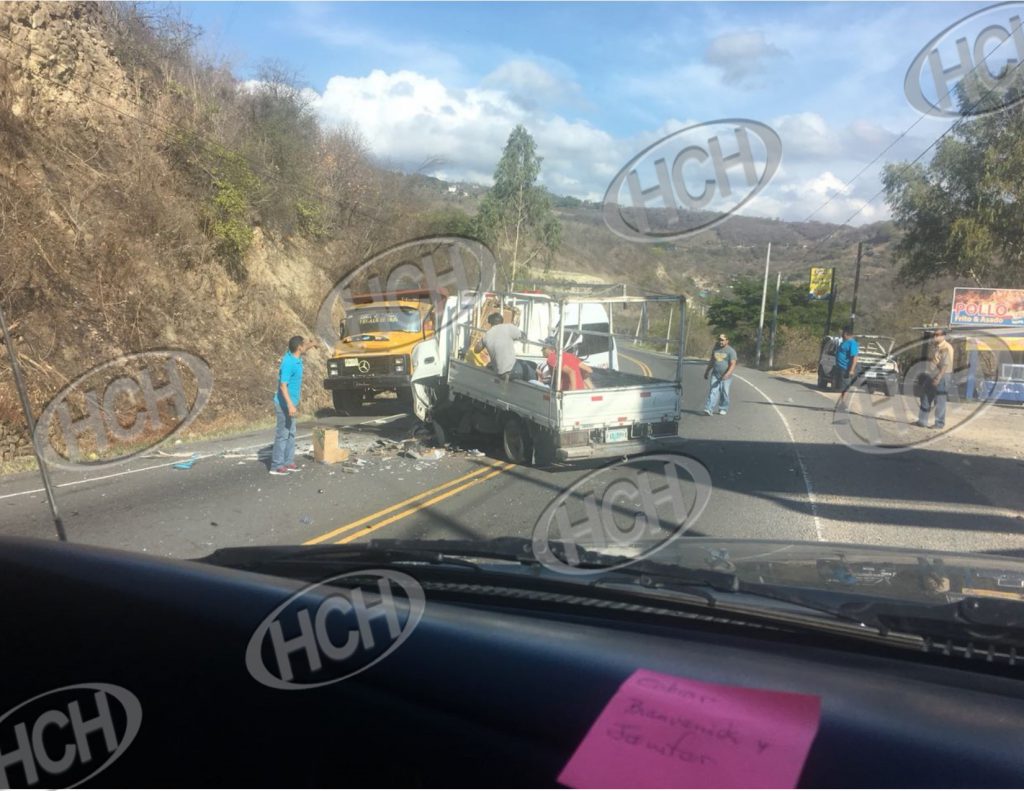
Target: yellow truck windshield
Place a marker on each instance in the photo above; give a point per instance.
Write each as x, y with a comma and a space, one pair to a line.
390, 318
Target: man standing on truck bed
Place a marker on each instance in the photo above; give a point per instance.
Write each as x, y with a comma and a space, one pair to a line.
721, 364
286, 406
498, 341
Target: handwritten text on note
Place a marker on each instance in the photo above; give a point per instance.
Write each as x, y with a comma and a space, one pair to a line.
662, 731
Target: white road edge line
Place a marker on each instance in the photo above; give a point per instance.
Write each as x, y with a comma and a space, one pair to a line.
169, 463
799, 459
140, 469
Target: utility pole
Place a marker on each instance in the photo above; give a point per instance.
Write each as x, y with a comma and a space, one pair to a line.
686, 332
775, 322
26, 406
856, 285
831, 303
764, 299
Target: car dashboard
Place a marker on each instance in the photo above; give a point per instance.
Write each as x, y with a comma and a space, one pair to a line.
495, 686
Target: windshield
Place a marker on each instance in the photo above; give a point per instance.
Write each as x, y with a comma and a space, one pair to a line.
781, 241
383, 319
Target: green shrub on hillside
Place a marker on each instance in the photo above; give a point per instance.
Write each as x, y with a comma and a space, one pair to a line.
312, 218
229, 214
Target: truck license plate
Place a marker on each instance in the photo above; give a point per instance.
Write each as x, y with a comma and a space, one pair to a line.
616, 435
351, 363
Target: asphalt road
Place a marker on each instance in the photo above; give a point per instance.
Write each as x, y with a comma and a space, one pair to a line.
778, 470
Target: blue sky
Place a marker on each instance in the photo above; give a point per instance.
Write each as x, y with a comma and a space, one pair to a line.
597, 82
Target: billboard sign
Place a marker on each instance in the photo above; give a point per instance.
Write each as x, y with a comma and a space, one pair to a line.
821, 282
1000, 307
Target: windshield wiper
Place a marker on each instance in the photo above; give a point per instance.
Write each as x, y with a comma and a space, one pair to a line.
971, 619
474, 554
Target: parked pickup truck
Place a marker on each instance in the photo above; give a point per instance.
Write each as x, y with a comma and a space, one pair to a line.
876, 368
623, 414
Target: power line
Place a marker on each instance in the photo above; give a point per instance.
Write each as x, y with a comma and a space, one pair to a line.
917, 159
906, 131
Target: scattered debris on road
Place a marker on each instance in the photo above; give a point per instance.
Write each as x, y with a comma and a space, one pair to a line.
186, 465
424, 454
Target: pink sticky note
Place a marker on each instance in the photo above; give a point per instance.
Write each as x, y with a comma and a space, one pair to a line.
662, 731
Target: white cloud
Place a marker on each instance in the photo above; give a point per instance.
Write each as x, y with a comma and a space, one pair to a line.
742, 57
408, 118
806, 135
821, 194
531, 85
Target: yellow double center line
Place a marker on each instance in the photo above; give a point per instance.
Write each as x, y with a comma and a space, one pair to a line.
644, 368
387, 516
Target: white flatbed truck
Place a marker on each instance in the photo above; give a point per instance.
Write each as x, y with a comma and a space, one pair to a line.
624, 414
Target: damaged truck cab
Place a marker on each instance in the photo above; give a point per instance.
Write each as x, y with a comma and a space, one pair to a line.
379, 333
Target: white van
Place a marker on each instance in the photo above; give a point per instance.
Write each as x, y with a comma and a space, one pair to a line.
539, 320
597, 351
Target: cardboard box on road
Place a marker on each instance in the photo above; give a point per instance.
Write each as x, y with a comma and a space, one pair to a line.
325, 446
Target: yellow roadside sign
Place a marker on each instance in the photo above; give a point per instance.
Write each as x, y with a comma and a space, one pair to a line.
821, 282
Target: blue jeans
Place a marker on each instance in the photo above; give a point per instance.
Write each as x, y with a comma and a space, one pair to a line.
718, 392
934, 395
284, 438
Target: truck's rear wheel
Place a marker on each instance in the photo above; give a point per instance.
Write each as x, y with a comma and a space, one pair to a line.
543, 449
347, 402
515, 441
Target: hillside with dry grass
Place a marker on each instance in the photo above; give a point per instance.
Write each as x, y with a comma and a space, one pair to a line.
150, 200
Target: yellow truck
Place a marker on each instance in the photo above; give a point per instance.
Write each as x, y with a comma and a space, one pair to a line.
378, 335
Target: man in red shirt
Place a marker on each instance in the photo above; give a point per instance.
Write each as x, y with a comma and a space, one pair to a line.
575, 372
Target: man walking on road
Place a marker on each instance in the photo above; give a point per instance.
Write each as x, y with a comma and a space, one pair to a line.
846, 365
721, 364
935, 390
286, 406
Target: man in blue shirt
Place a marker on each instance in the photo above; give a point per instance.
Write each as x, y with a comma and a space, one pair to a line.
286, 406
846, 365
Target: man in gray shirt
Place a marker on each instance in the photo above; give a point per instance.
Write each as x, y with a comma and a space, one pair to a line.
721, 365
498, 341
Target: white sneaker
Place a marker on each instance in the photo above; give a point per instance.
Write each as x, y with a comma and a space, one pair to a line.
707, 412
722, 412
